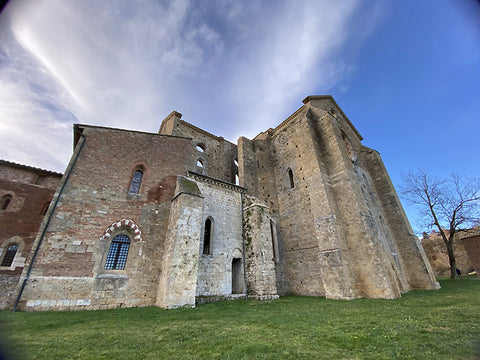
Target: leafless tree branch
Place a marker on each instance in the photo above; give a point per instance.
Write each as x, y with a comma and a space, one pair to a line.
452, 205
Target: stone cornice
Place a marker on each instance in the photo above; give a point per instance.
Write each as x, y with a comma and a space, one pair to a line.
218, 138
216, 182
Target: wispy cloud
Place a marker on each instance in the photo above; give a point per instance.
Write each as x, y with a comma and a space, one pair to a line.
230, 68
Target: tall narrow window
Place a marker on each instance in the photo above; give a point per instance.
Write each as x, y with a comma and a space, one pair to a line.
136, 182
207, 236
200, 167
272, 233
6, 201
9, 255
235, 170
117, 255
290, 177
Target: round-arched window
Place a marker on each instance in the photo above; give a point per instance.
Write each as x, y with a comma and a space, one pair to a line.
200, 148
118, 252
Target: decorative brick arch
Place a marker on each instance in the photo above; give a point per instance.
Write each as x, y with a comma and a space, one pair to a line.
138, 236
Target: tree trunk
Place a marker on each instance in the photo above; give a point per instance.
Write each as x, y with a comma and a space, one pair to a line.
451, 259
449, 245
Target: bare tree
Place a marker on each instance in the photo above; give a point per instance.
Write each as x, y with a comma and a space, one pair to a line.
451, 205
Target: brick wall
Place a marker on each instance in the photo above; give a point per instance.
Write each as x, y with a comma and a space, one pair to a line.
472, 246
70, 265
31, 191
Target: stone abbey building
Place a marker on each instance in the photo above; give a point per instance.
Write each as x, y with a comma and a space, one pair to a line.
184, 217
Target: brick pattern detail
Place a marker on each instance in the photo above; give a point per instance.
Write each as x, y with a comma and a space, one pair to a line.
138, 236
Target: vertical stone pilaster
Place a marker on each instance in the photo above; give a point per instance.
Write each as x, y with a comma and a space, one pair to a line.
260, 266
178, 279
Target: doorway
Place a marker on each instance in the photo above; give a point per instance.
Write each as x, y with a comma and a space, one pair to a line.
237, 276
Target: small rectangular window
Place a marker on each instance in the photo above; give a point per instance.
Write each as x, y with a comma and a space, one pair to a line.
39, 180
9, 256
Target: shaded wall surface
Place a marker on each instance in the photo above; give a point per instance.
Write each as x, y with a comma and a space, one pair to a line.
28, 192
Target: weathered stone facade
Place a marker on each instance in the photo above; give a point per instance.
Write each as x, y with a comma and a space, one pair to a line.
183, 216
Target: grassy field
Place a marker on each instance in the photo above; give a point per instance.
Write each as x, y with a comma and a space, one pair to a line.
442, 324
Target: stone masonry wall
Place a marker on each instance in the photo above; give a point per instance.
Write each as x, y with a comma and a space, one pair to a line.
369, 261
257, 169
260, 250
314, 258
178, 279
223, 206
416, 267
321, 218
69, 271
215, 153
311, 172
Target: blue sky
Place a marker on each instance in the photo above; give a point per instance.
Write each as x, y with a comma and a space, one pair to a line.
406, 73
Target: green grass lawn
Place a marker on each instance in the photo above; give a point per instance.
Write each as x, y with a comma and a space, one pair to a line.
443, 324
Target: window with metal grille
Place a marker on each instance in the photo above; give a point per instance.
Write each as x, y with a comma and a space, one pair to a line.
117, 255
9, 255
136, 182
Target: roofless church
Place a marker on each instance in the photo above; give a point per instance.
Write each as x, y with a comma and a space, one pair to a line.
182, 217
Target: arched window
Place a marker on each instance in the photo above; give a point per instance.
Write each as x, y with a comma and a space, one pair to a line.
117, 255
6, 201
290, 177
200, 148
9, 255
207, 237
235, 169
200, 166
136, 182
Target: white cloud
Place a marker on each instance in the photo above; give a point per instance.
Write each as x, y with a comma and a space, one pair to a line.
31, 134
296, 56
229, 67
